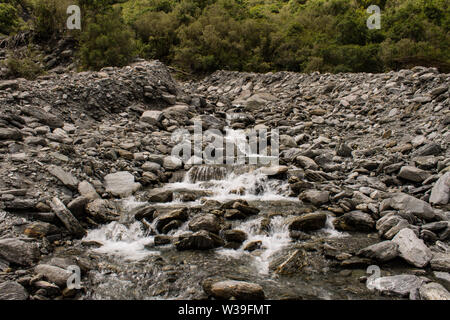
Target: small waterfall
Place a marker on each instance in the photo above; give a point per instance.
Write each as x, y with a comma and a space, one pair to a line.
121, 241
273, 241
206, 173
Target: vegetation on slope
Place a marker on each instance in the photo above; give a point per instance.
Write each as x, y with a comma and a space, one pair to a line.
200, 36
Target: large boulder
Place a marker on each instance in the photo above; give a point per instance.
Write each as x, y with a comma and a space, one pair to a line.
18, 251
354, 221
102, 210
441, 190
121, 184
413, 174
200, 240
316, 197
412, 249
208, 222
433, 291
440, 261
308, 222
417, 207
167, 217
382, 251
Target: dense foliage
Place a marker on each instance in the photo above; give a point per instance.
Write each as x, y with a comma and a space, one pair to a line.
201, 36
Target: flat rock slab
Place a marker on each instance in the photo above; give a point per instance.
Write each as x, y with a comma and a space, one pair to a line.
121, 184
65, 177
412, 249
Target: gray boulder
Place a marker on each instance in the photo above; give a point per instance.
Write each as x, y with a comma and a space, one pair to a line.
383, 251
121, 184
441, 190
412, 249
433, 291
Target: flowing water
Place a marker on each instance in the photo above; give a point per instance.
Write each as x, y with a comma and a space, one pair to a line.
132, 267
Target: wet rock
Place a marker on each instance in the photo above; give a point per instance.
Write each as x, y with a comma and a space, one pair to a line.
103, 210
440, 261
159, 195
56, 275
433, 291
235, 236
239, 290
121, 184
253, 245
18, 251
161, 240
166, 218
208, 222
440, 193
412, 249
413, 174
144, 212
399, 285
200, 240
354, 221
11, 290
67, 218
308, 222
383, 251
65, 177
245, 208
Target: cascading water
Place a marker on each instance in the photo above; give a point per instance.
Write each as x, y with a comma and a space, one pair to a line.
128, 243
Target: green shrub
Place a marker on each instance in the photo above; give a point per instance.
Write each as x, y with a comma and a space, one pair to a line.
9, 19
106, 41
23, 68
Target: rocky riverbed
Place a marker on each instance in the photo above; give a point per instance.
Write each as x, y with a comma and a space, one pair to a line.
356, 208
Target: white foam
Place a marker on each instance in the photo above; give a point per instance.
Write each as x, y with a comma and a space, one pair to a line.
276, 239
121, 241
